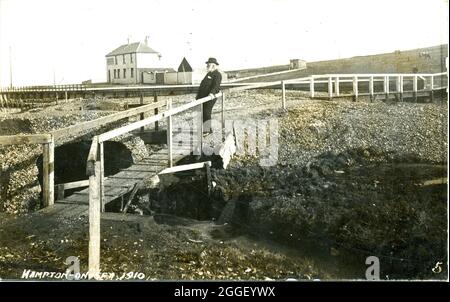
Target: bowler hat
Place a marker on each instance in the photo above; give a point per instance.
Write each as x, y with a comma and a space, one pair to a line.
212, 60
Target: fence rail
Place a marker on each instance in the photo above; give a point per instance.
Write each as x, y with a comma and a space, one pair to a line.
334, 81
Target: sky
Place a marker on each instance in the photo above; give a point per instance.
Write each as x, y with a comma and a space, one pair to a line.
65, 41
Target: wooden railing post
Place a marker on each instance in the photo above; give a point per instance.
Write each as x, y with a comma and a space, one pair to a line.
102, 175
49, 175
169, 134
283, 95
431, 88
311, 87
355, 88
386, 87
200, 130
371, 91
330, 88
336, 84
400, 87
415, 88
94, 172
94, 222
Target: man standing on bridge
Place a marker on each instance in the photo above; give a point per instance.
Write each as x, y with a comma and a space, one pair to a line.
210, 85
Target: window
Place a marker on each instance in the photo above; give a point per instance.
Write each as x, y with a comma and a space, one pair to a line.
115, 74
131, 57
123, 59
132, 72
124, 73
118, 73
115, 60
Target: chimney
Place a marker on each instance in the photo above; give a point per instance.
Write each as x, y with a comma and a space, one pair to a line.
146, 40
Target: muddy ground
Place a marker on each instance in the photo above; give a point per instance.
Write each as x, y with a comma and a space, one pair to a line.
352, 180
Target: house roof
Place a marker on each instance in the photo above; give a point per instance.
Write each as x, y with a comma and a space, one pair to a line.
137, 47
185, 66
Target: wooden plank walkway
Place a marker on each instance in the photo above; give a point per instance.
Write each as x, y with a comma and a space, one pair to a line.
123, 182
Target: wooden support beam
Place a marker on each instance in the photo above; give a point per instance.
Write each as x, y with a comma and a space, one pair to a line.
431, 88
49, 173
94, 221
73, 185
400, 87
102, 176
386, 87
198, 150
283, 95
371, 91
355, 87
185, 167
169, 135
336, 85
311, 87
209, 186
130, 198
330, 88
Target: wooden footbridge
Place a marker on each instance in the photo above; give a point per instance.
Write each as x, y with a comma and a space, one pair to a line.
100, 190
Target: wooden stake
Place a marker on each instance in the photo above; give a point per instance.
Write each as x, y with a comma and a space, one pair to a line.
102, 176
283, 97
169, 134
400, 79
386, 87
199, 147
311, 87
415, 88
330, 88
49, 167
336, 84
355, 87
371, 88
94, 222
431, 88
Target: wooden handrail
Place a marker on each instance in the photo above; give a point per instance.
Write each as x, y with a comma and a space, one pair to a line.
92, 157
25, 139
104, 120
136, 125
